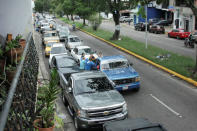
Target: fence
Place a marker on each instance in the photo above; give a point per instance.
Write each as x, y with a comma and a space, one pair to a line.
17, 101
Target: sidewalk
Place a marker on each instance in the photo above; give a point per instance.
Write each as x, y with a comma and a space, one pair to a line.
61, 110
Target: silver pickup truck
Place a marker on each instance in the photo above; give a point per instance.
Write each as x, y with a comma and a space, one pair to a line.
92, 100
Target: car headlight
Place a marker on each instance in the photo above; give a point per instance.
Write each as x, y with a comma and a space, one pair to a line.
137, 79
81, 113
124, 108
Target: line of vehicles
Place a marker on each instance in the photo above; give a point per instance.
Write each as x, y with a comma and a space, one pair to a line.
93, 97
158, 27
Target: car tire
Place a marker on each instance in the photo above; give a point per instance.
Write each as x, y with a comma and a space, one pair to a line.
169, 36
76, 124
64, 100
177, 37
136, 89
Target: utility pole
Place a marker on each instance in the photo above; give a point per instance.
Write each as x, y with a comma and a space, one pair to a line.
146, 27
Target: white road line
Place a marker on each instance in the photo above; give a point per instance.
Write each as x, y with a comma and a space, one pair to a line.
170, 109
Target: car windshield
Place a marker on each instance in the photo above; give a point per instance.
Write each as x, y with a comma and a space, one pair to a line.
63, 34
87, 51
58, 50
74, 39
49, 44
66, 62
113, 65
91, 85
50, 34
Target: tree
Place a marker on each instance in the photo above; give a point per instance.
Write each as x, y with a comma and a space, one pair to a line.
84, 9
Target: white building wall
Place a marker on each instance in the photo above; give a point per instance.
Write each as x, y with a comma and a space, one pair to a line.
15, 17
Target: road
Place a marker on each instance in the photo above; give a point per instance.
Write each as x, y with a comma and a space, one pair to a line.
162, 98
159, 40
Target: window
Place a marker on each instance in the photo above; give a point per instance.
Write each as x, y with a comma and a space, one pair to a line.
91, 85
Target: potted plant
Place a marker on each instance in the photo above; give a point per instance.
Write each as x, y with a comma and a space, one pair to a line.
10, 72
14, 50
47, 120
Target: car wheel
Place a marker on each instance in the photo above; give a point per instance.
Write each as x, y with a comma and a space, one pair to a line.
76, 124
177, 37
64, 99
169, 35
136, 89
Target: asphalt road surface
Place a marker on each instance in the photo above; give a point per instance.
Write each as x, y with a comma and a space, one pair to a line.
159, 40
162, 98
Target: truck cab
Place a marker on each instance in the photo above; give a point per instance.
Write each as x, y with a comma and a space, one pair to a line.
120, 72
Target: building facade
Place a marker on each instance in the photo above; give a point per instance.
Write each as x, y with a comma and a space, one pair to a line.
15, 17
183, 15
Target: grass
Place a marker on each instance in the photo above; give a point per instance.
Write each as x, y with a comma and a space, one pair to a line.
178, 63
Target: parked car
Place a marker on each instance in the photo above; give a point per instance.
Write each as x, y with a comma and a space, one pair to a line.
179, 34
92, 100
45, 26
62, 61
77, 52
157, 29
120, 72
72, 42
125, 19
77, 18
162, 22
141, 26
50, 37
152, 21
133, 124
57, 51
63, 36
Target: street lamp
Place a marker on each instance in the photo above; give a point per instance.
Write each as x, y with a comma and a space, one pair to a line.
146, 27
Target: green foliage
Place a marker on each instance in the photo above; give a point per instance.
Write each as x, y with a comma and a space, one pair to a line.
142, 12
95, 21
1, 52
47, 96
13, 43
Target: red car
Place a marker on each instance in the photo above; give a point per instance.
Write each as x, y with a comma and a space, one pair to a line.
178, 33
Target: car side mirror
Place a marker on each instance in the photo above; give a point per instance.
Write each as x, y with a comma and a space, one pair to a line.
70, 90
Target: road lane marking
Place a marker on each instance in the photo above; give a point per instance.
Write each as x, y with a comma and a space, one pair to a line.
166, 106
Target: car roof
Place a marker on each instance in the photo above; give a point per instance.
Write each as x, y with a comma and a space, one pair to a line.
88, 74
50, 31
63, 56
71, 36
82, 47
133, 124
58, 45
113, 58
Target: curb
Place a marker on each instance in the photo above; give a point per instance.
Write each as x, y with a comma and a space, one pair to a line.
189, 80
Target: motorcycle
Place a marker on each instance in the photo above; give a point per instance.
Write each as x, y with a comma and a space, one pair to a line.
73, 27
190, 41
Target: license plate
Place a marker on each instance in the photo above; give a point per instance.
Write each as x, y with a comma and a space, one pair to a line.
125, 88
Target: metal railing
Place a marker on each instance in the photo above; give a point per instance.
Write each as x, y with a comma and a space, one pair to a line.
18, 109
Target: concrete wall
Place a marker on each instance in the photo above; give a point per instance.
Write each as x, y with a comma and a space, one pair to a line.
15, 17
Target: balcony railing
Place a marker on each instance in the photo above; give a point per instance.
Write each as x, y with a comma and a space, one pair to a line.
17, 101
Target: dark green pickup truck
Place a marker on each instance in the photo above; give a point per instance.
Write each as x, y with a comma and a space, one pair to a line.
92, 100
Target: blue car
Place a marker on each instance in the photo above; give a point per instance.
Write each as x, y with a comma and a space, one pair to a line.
120, 72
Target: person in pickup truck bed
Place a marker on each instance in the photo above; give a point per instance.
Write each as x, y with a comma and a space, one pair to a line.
82, 63
90, 65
